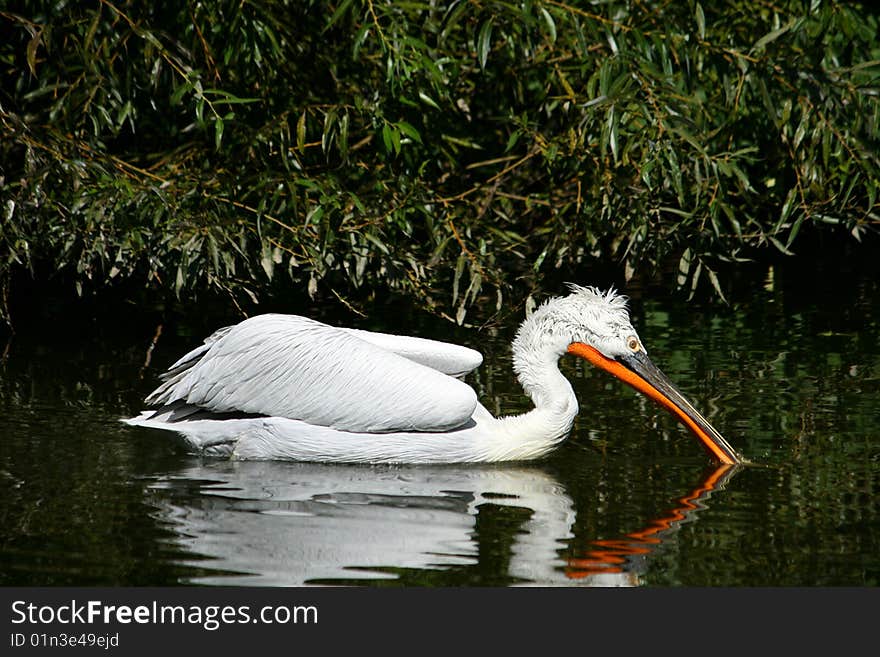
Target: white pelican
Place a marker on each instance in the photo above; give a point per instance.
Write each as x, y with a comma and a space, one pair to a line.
288, 387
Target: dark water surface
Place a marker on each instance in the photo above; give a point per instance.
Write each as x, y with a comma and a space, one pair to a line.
791, 376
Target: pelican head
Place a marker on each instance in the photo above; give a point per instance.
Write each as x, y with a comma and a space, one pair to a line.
596, 326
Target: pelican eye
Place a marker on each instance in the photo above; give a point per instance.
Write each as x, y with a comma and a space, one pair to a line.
633, 344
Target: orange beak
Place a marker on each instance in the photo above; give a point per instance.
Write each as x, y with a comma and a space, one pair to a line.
638, 371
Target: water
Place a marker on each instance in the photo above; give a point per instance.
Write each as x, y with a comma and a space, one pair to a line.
790, 375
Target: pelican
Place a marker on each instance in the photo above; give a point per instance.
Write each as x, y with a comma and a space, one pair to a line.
288, 387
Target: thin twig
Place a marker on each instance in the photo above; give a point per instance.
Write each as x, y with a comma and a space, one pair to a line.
586, 14
212, 65
149, 355
503, 172
347, 304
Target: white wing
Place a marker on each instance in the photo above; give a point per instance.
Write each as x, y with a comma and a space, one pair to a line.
297, 368
451, 359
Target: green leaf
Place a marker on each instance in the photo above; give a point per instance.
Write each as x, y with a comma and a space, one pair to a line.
484, 43
770, 37
179, 280
226, 98
218, 132
511, 141
301, 133
787, 207
343, 136
713, 278
31, 54
684, 266
386, 138
425, 98
329, 133
395, 140
370, 237
549, 23
341, 10
779, 245
409, 131
178, 93
794, 230
267, 261
675, 173
456, 278
701, 22
539, 260
695, 279
453, 15
612, 131
461, 142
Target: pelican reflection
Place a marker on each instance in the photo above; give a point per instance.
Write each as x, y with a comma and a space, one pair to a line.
267, 523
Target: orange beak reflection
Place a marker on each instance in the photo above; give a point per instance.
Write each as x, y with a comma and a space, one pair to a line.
616, 555
638, 371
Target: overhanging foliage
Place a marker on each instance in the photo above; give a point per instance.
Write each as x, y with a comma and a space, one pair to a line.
446, 150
